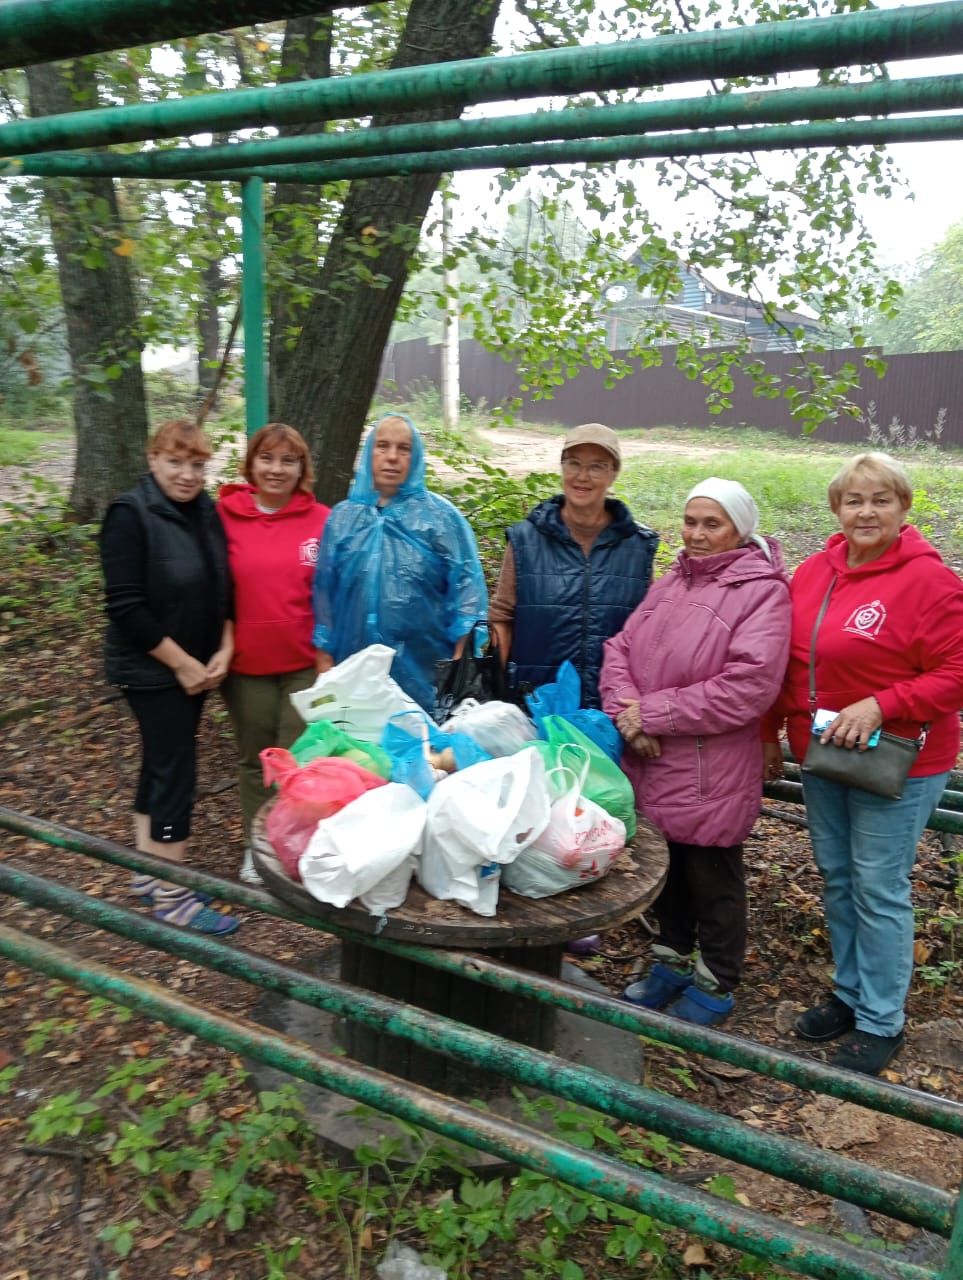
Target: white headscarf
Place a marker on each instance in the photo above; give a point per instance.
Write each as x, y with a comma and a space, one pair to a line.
738, 504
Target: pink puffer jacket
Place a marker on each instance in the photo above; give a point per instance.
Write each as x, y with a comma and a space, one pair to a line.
704, 654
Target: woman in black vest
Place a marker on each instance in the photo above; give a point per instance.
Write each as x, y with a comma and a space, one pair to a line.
168, 642
574, 570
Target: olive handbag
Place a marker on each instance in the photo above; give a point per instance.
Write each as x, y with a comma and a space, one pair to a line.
882, 769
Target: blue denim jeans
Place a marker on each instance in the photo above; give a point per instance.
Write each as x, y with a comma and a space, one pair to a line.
865, 848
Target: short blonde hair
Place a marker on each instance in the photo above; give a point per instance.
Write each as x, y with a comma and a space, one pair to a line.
180, 437
880, 467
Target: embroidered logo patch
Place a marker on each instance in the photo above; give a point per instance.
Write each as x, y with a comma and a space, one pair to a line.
308, 551
866, 620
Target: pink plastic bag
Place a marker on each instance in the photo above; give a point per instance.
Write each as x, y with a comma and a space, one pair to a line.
306, 795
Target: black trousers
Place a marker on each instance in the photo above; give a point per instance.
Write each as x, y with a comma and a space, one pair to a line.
704, 903
166, 784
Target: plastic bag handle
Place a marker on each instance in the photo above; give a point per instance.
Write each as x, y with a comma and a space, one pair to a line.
584, 754
576, 785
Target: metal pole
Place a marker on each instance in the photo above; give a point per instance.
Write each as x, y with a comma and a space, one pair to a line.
880, 97
600, 150
450, 371
252, 307
695, 1211
892, 1194
938, 1113
854, 38
34, 31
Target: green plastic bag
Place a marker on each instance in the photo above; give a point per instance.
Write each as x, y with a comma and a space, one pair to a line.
605, 783
324, 738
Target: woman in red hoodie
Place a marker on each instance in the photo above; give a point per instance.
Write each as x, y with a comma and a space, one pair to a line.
878, 619
273, 525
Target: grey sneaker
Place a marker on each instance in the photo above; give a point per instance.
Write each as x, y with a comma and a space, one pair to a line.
248, 874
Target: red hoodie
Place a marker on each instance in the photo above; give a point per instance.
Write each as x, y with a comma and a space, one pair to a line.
272, 558
893, 631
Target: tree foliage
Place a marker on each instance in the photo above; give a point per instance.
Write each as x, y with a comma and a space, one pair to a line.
929, 313
784, 230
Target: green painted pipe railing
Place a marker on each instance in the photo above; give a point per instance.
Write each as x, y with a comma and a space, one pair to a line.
855, 38
33, 31
695, 1211
947, 817
600, 150
794, 1161
252, 305
880, 97
938, 1113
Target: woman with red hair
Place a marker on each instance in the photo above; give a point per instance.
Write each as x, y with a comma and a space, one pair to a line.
273, 524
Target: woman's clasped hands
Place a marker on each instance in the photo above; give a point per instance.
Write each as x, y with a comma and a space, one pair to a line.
629, 725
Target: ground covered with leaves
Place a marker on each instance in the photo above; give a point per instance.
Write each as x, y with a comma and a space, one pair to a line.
132, 1150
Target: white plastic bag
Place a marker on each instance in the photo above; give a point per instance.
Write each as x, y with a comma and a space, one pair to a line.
358, 694
367, 850
577, 846
500, 727
403, 1263
479, 819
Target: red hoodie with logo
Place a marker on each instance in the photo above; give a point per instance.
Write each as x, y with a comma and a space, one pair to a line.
893, 631
272, 556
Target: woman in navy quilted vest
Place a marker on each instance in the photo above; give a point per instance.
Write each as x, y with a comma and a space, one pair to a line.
574, 570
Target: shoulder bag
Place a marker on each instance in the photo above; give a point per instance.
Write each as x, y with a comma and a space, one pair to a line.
882, 769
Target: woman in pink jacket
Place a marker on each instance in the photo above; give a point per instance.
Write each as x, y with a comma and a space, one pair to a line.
273, 525
687, 681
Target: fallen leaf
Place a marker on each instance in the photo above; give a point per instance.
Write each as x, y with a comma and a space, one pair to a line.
154, 1242
203, 1263
125, 248
695, 1256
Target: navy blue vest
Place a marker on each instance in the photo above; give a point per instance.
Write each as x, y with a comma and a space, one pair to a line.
568, 604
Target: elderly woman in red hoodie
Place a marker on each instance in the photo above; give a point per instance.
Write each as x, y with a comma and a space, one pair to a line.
273, 525
877, 642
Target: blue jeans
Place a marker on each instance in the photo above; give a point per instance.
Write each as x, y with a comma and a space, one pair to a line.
865, 848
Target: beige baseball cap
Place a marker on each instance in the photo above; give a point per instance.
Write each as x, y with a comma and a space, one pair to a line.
594, 433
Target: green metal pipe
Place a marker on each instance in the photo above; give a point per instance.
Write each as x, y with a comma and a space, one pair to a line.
33, 31
936, 1112
880, 97
794, 1161
950, 820
603, 150
252, 305
951, 799
855, 38
695, 1211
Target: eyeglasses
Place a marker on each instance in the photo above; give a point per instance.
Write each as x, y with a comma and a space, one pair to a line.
594, 470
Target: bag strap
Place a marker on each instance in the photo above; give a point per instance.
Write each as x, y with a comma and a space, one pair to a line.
812, 644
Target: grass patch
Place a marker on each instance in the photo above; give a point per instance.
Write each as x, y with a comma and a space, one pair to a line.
20, 448
790, 491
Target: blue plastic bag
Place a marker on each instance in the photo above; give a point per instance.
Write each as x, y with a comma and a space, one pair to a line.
403, 739
563, 698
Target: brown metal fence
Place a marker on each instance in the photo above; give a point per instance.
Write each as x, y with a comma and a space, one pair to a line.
920, 397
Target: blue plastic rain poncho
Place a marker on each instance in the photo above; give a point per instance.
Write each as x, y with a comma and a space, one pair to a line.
406, 574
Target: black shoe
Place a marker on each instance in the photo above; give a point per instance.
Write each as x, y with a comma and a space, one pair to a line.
826, 1021
862, 1051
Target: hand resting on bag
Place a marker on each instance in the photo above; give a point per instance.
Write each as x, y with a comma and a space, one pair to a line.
854, 725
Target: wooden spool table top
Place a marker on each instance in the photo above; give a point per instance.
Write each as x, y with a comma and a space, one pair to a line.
630, 886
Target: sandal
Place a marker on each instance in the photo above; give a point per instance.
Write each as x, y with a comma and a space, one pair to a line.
182, 908
661, 985
703, 1008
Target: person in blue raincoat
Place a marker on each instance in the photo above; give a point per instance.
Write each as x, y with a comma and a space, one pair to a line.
398, 566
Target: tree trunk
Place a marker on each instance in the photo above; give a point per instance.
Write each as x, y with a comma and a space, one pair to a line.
209, 326
293, 219
333, 370
97, 289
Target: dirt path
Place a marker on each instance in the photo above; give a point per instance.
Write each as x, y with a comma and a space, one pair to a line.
520, 452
